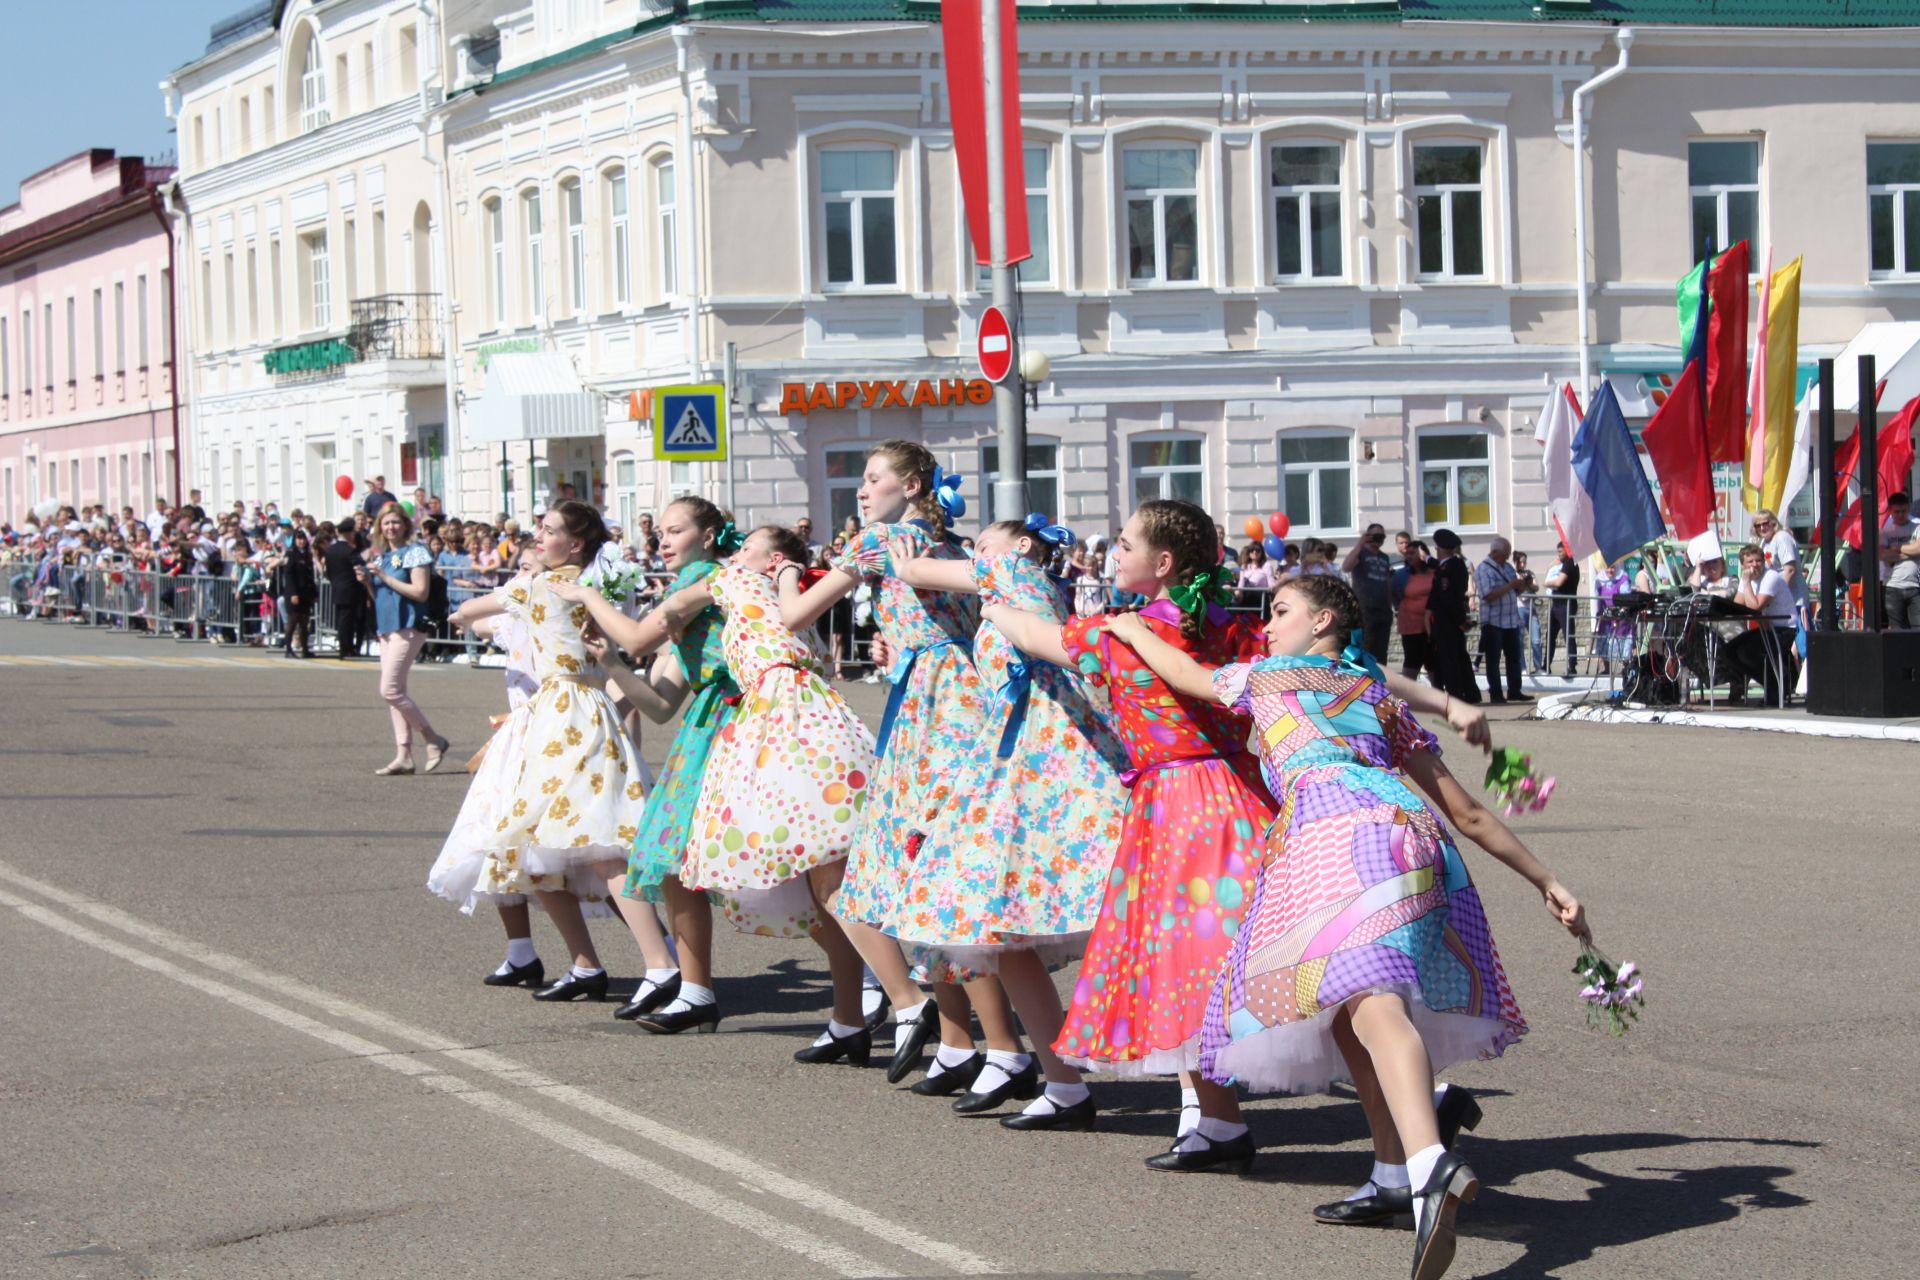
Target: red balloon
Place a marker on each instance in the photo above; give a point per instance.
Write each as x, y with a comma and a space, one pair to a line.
1279, 523
1253, 528
343, 485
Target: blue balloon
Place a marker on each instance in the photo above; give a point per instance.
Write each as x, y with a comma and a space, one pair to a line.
1275, 546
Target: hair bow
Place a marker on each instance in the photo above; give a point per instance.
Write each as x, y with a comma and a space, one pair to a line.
1207, 586
1357, 655
946, 491
729, 539
1054, 535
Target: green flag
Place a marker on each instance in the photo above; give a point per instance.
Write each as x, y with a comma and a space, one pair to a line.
1691, 290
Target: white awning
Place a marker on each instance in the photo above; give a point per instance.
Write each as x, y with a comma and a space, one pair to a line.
533, 396
1895, 348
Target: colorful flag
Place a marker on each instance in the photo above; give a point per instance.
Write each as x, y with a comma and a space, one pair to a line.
1895, 446
1676, 440
1770, 394
1567, 502
1726, 365
967, 109
1607, 467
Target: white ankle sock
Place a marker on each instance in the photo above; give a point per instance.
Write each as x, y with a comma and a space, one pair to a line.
1439, 1094
1002, 1066
1189, 1113
834, 1031
580, 972
1360, 1192
691, 996
871, 998
1057, 1097
520, 952
1419, 1168
948, 1059
1389, 1177
1209, 1132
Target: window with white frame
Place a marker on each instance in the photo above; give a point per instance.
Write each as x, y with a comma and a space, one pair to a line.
575, 213
274, 285
858, 212
496, 219
6, 362
1167, 466
1723, 181
313, 88
99, 333
1893, 207
1316, 480
1456, 479
73, 341
319, 281
120, 326
1043, 479
166, 316
626, 492
140, 314
846, 470
1163, 214
666, 212
47, 340
1038, 269
680, 477
533, 267
1307, 237
619, 237
1449, 195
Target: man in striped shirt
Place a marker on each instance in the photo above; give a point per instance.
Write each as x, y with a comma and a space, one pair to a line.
1501, 626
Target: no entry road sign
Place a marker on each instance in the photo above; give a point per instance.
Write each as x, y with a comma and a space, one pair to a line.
995, 345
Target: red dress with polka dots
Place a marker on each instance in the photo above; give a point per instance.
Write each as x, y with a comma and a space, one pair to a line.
1190, 851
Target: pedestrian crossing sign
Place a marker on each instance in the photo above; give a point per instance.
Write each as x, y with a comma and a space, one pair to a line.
690, 423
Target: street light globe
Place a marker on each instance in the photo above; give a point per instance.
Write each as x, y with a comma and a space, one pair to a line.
1034, 366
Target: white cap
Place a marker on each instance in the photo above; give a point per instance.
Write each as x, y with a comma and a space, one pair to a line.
1705, 547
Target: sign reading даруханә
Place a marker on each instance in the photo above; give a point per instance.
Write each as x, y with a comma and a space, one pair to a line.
902, 393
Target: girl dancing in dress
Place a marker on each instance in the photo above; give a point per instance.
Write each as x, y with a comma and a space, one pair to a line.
1365, 954
563, 824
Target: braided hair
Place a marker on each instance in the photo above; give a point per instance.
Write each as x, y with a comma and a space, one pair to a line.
1187, 533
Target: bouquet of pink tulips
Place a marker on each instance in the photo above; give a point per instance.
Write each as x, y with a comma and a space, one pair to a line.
1517, 787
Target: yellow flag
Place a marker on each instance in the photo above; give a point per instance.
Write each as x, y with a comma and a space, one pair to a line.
1775, 370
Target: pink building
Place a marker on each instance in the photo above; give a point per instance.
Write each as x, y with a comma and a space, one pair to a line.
89, 411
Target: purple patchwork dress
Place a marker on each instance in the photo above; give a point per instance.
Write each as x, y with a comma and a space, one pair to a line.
1362, 889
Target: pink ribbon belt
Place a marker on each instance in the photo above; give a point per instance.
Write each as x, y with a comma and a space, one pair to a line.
1131, 776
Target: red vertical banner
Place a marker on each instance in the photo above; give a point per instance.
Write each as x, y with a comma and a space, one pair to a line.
967, 110
1726, 286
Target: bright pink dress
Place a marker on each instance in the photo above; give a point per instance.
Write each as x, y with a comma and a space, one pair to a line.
1189, 856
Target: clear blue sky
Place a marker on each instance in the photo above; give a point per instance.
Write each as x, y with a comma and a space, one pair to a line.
86, 73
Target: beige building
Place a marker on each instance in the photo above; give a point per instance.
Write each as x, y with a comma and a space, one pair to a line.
305, 212
1331, 265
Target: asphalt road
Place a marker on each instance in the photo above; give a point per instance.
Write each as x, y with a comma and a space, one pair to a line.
240, 1038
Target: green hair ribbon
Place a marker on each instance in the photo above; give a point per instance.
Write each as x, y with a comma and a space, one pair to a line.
1208, 586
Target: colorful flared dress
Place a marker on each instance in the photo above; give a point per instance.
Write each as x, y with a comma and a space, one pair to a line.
1189, 851
666, 824
935, 717
1362, 889
565, 798
465, 861
788, 776
1020, 855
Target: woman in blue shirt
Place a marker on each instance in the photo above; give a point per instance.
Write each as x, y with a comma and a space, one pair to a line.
400, 576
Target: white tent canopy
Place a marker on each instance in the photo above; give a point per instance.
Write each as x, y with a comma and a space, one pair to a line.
1895, 348
533, 396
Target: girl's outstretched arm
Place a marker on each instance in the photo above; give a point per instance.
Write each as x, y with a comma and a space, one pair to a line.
657, 694
1481, 825
801, 609
1468, 720
928, 573
476, 609
641, 637
1033, 634
1176, 668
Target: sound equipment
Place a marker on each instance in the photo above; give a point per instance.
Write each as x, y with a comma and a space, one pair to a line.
1875, 675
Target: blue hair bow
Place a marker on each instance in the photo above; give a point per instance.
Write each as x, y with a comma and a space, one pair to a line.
946, 491
1054, 535
1356, 655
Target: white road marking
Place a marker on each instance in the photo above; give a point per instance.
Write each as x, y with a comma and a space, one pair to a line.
817, 1200
785, 1235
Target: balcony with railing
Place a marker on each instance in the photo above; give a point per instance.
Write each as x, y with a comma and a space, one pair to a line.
397, 326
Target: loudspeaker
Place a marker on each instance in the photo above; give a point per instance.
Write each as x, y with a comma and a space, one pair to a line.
1862, 673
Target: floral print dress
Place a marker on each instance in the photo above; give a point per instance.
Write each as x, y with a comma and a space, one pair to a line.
1189, 851
666, 824
566, 797
936, 714
788, 775
1362, 889
1020, 855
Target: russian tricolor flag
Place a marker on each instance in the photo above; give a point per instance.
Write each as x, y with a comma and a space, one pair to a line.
1596, 489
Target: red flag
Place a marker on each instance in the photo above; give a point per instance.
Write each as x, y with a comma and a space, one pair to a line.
1726, 407
967, 107
1676, 440
1896, 464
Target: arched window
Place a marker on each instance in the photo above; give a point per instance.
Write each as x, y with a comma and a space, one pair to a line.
313, 87
1449, 197
534, 261
619, 248
858, 212
573, 208
1304, 180
496, 230
666, 217
1161, 191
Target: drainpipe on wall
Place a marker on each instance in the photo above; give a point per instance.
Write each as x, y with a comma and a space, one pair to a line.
442, 247
178, 299
690, 278
154, 199
1624, 39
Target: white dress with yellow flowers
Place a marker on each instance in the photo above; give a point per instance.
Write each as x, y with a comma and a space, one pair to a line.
568, 797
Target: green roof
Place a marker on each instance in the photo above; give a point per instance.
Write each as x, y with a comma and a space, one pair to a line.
1741, 13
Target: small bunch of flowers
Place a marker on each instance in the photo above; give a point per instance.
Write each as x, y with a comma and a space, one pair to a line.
618, 580
1516, 785
1612, 992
